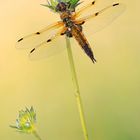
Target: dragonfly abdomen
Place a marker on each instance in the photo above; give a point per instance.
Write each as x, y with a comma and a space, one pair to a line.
76, 31
79, 36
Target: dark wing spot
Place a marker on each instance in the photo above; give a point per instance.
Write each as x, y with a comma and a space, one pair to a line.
32, 50
62, 33
93, 2
96, 14
49, 40
38, 33
20, 39
115, 4
82, 23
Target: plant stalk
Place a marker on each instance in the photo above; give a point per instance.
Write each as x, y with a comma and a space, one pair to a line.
76, 88
36, 135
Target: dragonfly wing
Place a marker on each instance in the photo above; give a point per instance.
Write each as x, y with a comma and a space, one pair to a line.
85, 9
98, 20
34, 39
51, 46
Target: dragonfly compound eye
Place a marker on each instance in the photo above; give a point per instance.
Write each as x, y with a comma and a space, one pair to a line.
61, 7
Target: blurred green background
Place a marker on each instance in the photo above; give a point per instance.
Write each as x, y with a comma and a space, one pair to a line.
109, 89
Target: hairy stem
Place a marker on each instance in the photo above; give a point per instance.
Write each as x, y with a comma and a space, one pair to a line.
76, 88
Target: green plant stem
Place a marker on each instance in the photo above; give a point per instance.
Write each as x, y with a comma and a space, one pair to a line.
76, 88
36, 135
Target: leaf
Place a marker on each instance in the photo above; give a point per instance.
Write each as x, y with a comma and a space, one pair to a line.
12, 126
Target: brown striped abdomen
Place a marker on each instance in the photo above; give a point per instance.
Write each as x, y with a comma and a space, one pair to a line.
81, 39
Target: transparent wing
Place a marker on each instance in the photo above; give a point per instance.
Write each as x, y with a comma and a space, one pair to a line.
34, 39
84, 9
97, 20
52, 46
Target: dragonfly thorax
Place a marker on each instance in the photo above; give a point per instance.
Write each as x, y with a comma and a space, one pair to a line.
68, 22
66, 18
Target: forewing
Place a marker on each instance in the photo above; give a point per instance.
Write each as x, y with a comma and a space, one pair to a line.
34, 39
85, 9
97, 20
50, 47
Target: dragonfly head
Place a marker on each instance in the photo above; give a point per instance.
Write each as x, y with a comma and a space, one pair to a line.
61, 7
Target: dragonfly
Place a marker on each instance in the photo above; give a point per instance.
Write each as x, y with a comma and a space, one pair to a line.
72, 24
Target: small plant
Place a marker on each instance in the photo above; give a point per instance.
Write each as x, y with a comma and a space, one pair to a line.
25, 122
72, 4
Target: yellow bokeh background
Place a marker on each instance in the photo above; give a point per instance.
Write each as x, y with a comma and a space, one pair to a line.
109, 89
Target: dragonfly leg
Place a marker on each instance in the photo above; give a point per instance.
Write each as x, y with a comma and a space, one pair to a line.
69, 34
